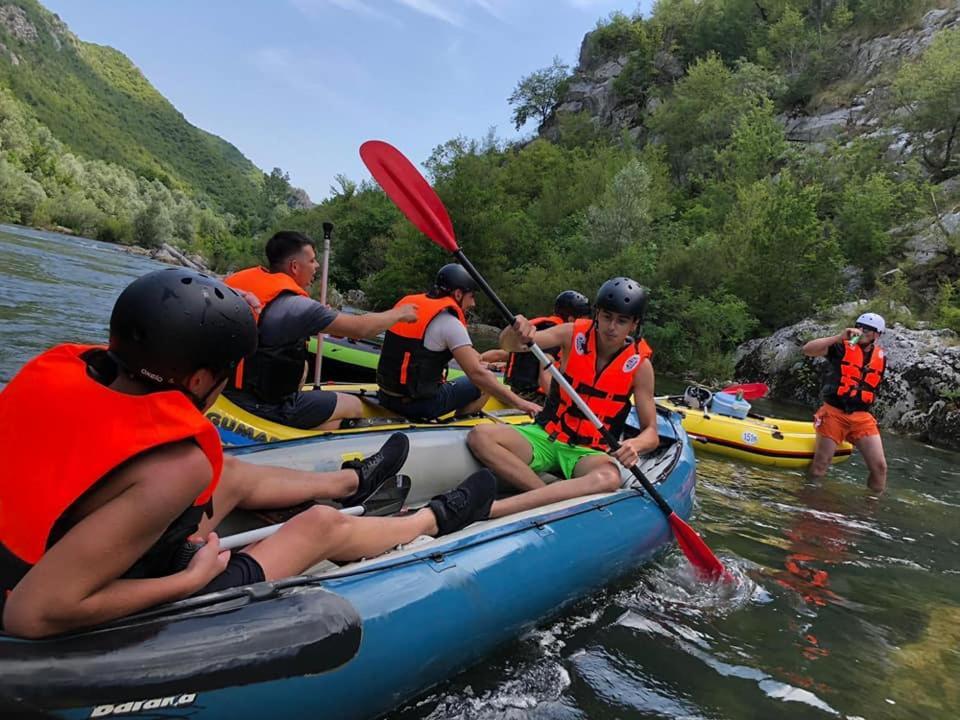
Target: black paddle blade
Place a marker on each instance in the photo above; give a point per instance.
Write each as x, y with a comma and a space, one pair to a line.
389, 496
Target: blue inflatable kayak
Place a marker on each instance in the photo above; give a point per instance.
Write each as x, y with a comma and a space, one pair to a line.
356, 640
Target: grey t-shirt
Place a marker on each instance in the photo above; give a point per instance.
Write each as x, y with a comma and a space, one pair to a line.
292, 317
445, 332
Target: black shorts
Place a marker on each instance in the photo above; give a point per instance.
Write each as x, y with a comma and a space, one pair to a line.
304, 410
450, 396
241, 570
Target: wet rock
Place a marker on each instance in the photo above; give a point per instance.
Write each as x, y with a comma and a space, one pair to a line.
356, 298
167, 253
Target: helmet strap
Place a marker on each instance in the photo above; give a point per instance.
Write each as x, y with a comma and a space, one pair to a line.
200, 401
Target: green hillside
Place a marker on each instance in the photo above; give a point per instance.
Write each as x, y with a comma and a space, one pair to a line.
96, 102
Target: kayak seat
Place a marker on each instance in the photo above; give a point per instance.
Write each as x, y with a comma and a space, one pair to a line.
696, 397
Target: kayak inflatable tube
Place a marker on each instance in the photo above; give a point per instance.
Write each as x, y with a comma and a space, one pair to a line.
356, 640
755, 439
239, 427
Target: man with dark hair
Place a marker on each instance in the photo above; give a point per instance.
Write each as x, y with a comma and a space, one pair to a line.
523, 372
92, 530
606, 366
412, 369
268, 384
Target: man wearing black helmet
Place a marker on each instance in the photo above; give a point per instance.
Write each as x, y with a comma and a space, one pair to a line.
268, 384
605, 366
523, 372
412, 369
90, 528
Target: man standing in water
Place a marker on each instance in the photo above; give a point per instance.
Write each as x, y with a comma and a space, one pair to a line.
857, 363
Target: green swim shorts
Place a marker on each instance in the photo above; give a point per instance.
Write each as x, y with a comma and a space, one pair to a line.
551, 456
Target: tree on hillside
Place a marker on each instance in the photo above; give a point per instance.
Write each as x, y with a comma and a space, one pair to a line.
698, 120
635, 200
775, 254
537, 93
930, 89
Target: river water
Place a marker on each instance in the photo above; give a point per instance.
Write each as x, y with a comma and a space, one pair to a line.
846, 605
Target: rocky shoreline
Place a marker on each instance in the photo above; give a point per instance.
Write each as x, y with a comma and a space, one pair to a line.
170, 255
920, 396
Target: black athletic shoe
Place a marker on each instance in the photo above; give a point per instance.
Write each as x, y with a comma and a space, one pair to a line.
469, 502
378, 467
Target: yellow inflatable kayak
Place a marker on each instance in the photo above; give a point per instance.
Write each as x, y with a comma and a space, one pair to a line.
239, 427
754, 438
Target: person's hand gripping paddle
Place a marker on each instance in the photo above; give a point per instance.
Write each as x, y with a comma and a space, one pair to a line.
414, 197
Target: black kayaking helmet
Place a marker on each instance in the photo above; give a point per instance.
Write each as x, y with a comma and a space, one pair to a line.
570, 302
170, 323
624, 296
454, 277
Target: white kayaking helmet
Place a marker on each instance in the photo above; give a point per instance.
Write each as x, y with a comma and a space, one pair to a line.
872, 320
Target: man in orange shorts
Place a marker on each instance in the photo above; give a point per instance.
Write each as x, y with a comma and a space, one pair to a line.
857, 363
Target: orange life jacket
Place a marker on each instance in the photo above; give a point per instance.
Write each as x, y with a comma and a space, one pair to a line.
273, 372
606, 392
406, 368
854, 386
523, 369
95, 430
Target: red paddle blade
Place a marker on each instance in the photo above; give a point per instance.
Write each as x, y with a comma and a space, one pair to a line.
751, 391
409, 191
696, 550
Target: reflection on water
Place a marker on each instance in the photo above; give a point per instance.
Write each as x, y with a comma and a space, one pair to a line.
843, 605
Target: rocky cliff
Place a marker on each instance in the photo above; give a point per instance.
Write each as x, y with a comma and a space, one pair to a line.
920, 396
869, 64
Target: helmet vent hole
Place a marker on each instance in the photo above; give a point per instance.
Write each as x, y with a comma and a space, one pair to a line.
186, 280
216, 291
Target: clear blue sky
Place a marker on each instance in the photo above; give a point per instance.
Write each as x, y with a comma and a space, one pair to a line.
300, 84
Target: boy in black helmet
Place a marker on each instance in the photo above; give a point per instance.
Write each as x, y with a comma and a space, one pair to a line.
90, 528
412, 368
523, 372
606, 367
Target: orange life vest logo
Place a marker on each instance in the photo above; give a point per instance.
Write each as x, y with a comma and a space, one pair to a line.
631, 363
580, 344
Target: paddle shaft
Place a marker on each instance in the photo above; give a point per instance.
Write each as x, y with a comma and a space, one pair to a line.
558, 377
411, 193
327, 232
249, 537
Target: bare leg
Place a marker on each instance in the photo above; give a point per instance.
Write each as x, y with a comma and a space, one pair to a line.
475, 406
507, 453
593, 474
822, 456
348, 406
322, 533
247, 485
871, 448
